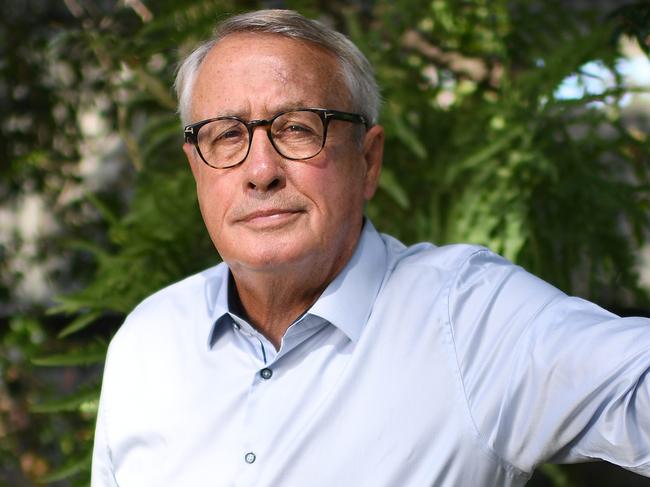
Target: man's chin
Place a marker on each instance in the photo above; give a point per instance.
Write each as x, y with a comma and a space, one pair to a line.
268, 259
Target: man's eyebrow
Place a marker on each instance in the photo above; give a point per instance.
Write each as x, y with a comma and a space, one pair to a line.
294, 106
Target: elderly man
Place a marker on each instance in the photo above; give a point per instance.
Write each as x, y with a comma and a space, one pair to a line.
321, 353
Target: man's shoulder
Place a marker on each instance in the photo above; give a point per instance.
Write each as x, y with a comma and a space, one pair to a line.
429, 270
186, 291
175, 305
425, 255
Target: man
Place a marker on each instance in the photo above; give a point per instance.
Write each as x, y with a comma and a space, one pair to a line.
321, 353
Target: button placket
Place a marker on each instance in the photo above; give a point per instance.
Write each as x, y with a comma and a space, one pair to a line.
256, 392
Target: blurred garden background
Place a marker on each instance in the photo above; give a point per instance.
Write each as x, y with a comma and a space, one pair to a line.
520, 125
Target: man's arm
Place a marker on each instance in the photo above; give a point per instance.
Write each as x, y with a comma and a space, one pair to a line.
102, 466
549, 377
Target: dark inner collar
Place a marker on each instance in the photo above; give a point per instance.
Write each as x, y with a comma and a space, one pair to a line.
234, 303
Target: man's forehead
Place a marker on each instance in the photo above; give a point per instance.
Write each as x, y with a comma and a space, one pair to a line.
274, 56
264, 38
271, 46
259, 75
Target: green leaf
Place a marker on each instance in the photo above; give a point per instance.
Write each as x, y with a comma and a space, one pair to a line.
404, 132
74, 402
79, 323
388, 183
70, 304
555, 473
101, 207
74, 467
80, 357
483, 154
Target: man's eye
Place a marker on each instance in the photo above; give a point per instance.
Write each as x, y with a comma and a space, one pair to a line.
228, 135
297, 128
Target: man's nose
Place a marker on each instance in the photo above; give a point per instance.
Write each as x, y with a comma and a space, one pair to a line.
263, 165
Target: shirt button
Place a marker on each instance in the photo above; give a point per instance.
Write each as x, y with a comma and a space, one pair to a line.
266, 373
250, 457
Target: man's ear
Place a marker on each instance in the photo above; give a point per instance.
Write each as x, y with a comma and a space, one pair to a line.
192, 158
373, 153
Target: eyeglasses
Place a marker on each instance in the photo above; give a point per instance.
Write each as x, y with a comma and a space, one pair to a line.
224, 142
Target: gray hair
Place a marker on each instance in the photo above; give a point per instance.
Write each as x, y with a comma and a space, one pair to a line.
355, 68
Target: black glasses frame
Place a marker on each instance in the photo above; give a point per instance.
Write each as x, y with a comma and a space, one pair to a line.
191, 131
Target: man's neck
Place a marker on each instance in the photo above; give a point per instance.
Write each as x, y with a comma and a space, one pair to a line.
272, 307
272, 301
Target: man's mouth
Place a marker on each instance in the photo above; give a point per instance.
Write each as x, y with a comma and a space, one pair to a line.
270, 217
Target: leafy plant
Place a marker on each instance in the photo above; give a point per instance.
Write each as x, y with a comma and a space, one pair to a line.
482, 147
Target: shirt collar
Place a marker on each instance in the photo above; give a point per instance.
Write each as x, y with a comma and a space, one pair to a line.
346, 302
216, 292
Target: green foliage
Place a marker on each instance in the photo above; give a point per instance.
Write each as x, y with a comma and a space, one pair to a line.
480, 147
557, 476
78, 466
32, 443
159, 241
634, 20
93, 353
491, 155
81, 400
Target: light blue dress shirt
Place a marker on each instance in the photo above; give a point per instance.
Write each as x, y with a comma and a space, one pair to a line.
419, 366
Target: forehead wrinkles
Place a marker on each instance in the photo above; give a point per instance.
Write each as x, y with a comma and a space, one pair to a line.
255, 67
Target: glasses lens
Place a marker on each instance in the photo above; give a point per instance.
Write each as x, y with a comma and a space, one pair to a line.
298, 135
223, 143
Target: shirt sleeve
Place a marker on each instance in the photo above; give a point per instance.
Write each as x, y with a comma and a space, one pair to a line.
549, 377
102, 474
